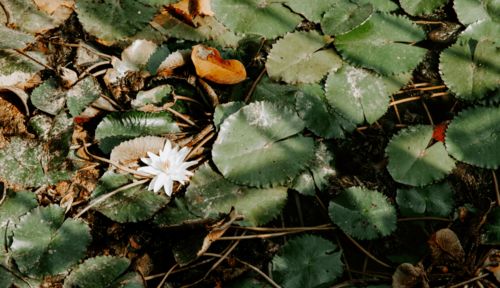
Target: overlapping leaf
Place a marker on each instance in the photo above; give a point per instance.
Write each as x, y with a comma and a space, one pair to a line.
307, 261
345, 16
44, 243
470, 11
383, 44
413, 162
420, 7
16, 39
299, 58
269, 19
357, 94
209, 194
16, 69
259, 145
363, 214
313, 10
474, 137
432, 200
82, 94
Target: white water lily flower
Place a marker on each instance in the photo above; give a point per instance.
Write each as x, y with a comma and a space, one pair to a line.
167, 167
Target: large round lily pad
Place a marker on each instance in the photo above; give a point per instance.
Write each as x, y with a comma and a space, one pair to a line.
260, 146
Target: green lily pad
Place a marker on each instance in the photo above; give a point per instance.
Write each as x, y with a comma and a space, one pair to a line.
111, 20
17, 69
44, 243
432, 200
421, 7
177, 215
312, 10
270, 91
491, 233
470, 11
493, 9
345, 16
363, 214
383, 44
103, 272
319, 116
209, 194
380, 5
48, 97
82, 94
300, 57
118, 127
16, 39
223, 111
473, 137
357, 94
269, 19
259, 146
307, 261
413, 162
471, 68
130, 205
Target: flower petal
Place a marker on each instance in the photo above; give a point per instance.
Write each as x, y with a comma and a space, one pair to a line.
149, 170
168, 187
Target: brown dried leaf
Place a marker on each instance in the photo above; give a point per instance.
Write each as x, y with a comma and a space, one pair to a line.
408, 276
182, 10
446, 248
174, 60
202, 7
217, 230
211, 66
129, 153
492, 263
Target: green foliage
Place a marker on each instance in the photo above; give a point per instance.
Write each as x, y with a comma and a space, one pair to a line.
345, 16
357, 94
312, 10
381, 5
383, 44
177, 215
130, 205
432, 200
363, 214
155, 96
209, 194
413, 160
16, 39
491, 233
82, 94
103, 272
111, 20
270, 91
473, 137
257, 135
26, 15
44, 243
223, 111
470, 11
16, 69
48, 97
420, 7
268, 19
118, 127
319, 116
299, 58
307, 261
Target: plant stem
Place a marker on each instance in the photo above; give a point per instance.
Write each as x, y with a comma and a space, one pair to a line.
366, 252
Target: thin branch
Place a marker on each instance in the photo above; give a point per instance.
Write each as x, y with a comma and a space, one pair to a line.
432, 88
396, 110
182, 116
15, 275
200, 144
404, 100
366, 252
423, 219
4, 193
34, 60
301, 229
254, 85
428, 113
461, 284
497, 190
164, 279
268, 235
121, 167
214, 99
152, 277
6, 12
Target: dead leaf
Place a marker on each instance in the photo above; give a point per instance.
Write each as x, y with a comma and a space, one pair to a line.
202, 7
182, 10
492, 263
129, 153
217, 230
446, 248
173, 61
59, 10
211, 66
409, 276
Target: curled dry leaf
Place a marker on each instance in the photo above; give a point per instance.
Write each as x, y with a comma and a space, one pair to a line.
491, 263
210, 65
203, 7
174, 60
129, 153
408, 275
15, 96
182, 10
217, 230
446, 248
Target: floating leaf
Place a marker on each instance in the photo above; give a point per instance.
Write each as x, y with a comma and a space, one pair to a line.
345, 16
38, 16
269, 19
300, 58
177, 215
363, 214
380, 5
312, 10
432, 200
491, 233
357, 94
111, 20
445, 247
209, 193
210, 65
470, 11
307, 261
471, 68
421, 7
259, 145
268, 90
474, 137
383, 44
48, 97
44, 243
118, 127
319, 116
413, 162
130, 205
16, 39
103, 272
82, 94
223, 111
16, 69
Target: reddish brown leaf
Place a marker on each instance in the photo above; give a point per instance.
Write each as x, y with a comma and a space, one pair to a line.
210, 65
